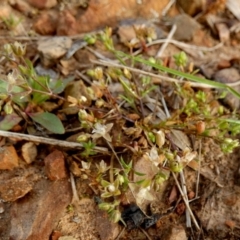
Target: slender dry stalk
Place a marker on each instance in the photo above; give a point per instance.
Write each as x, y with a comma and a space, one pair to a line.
183, 182
169, 37
186, 201
167, 8
120, 234
49, 141
199, 166
75, 198
184, 189
145, 233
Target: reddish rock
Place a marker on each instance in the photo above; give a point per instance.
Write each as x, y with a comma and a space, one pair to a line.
41, 4
34, 217
106, 229
191, 7
8, 158
5, 11
56, 235
55, 166
108, 13
67, 24
21, 6
46, 24
14, 188
223, 63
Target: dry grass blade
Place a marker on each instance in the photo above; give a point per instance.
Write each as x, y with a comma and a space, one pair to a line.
169, 37
186, 201
184, 189
199, 166
75, 198
167, 8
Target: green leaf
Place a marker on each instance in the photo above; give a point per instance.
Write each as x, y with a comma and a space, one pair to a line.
105, 183
19, 95
40, 83
144, 183
57, 86
48, 120
139, 174
124, 164
106, 195
9, 121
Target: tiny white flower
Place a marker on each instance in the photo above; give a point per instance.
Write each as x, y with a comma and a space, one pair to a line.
102, 167
101, 130
86, 165
18, 49
144, 194
11, 78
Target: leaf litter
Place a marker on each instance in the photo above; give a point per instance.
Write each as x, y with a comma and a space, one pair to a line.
147, 128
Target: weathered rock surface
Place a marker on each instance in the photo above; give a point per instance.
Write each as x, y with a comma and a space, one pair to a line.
47, 22
53, 48
55, 165
35, 216
14, 188
106, 229
29, 152
8, 158
99, 14
67, 24
22, 6
229, 75
42, 4
186, 27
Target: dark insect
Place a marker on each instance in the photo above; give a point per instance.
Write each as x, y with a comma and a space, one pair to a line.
134, 218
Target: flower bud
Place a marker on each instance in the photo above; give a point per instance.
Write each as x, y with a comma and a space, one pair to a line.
8, 108
115, 216
104, 206
18, 49
160, 138
83, 138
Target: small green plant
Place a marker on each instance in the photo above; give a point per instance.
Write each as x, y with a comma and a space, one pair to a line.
11, 22
181, 60
112, 210
88, 149
24, 88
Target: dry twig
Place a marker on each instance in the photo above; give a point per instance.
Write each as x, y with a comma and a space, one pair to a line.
169, 37
186, 201
50, 141
167, 8
75, 198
